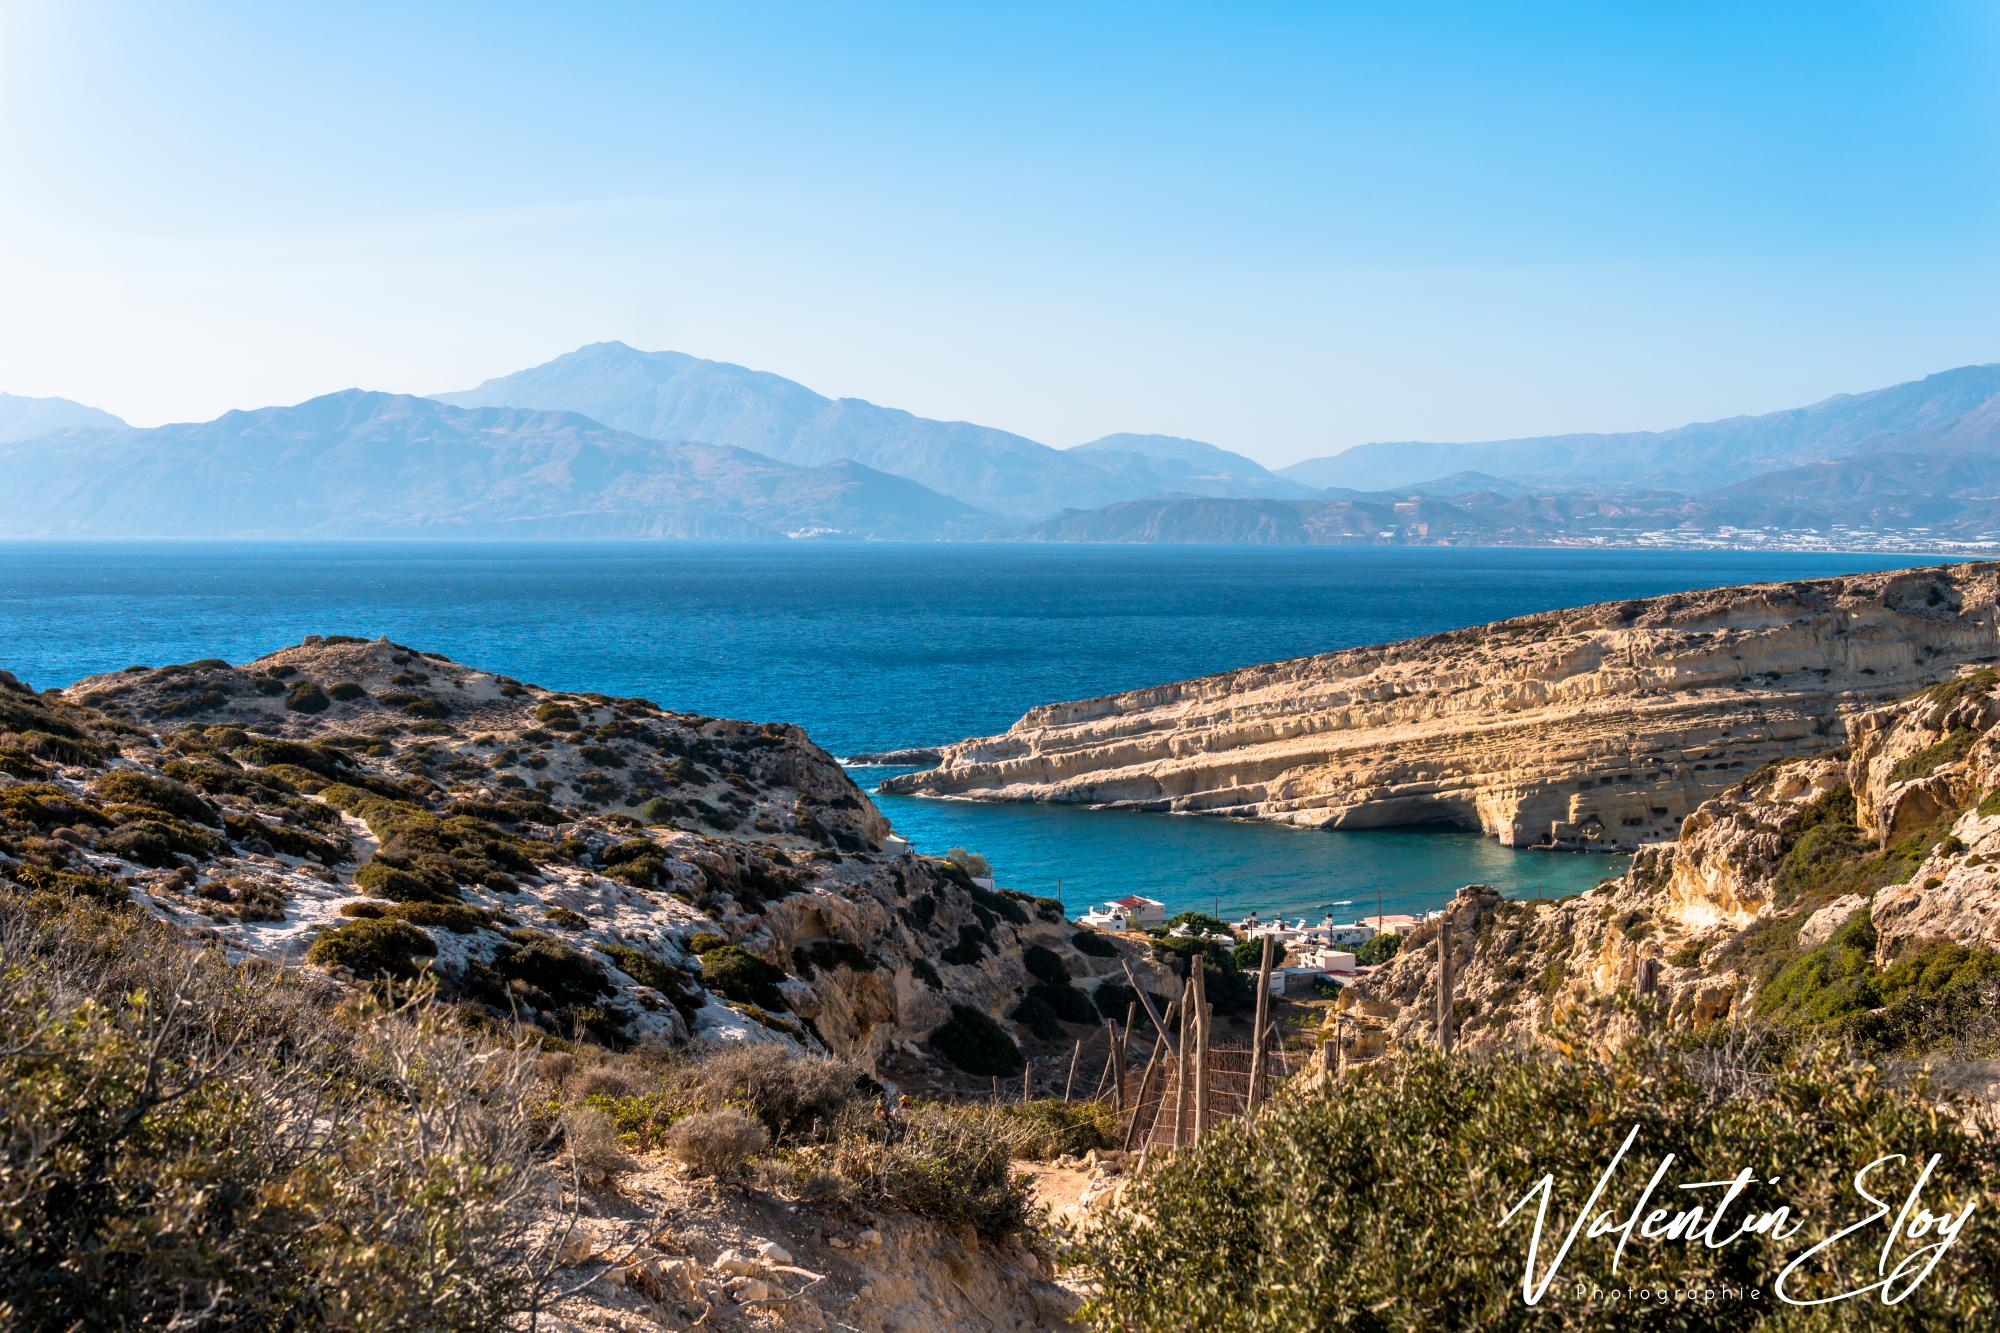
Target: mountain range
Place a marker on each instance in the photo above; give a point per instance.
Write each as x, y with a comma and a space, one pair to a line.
360, 464
610, 441
671, 396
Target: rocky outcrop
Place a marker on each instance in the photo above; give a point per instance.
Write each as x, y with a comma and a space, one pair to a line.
1602, 726
600, 865
1903, 824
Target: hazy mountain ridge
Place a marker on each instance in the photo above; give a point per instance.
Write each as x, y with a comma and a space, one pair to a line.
608, 441
25, 418
669, 395
1194, 466
1689, 458
358, 463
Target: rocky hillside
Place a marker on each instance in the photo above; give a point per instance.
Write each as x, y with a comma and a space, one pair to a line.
1602, 726
1857, 888
603, 866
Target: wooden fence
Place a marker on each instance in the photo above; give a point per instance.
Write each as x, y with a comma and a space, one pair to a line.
1171, 1089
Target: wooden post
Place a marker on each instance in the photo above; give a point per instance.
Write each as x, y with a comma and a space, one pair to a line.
1139, 1106
1202, 1019
1340, 1043
1027, 1079
1076, 1053
1159, 1024
1444, 983
1117, 1058
1183, 1104
996, 1087
1257, 1039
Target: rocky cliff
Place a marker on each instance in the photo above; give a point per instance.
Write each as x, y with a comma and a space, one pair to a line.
1601, 726
1859, 886
603, 866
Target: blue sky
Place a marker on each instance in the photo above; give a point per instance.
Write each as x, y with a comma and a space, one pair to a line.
1283, 228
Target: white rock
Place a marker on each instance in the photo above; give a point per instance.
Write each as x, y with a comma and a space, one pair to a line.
773, 1253
683, 1273
737, 1264
869, 1238
754, 1289
837, 1242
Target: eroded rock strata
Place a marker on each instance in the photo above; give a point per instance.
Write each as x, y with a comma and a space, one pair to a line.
1790, 896
1599, 726
603, 866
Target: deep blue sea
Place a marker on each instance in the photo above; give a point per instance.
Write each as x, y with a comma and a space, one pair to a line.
875, 645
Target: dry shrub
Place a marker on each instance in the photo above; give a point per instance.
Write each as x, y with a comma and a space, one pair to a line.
604, 1080
717, 1143
555, 1067
590, 1143
940, 1165
185, 1142
796, 1095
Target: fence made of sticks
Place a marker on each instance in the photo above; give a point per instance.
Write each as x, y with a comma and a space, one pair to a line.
1168, 1083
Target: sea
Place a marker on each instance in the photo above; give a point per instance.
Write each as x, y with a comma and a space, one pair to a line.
878, 645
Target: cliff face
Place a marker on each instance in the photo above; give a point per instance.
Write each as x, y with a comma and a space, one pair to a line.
600, 865
1601, 726
1903, 822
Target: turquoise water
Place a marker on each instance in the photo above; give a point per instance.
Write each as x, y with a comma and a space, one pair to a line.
874, 645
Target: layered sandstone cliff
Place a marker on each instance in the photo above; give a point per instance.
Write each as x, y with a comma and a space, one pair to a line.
1899, 829
1599, 726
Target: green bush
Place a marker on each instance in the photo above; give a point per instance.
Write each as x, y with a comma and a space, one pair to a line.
703, 940
1929, 759
1200, 923
973, 1042
1380, 1198
1248, 955
378, 948
458, 918
1114, 999
127, 787
386, 881
1070, 1004
1034, 1013
548, 973
1093, 945
735, 972
346, 691
1932, 997
306, 697
1045, 965
971, 947
1378, 949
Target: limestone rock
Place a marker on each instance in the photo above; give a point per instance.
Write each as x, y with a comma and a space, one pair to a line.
1602, 726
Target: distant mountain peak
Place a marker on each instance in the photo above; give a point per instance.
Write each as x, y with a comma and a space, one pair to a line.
23, 418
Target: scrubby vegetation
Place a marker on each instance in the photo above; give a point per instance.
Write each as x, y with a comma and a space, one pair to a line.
973, 1042
1379, 1200
1938, 994
185, 1141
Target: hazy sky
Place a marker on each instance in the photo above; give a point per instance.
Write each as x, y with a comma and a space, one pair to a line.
1282, 228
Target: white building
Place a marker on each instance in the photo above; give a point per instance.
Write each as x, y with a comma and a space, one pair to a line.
1131, 912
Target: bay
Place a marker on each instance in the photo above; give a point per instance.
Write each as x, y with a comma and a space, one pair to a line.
877, 645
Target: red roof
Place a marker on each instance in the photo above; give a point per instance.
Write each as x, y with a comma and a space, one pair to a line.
1134, 900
